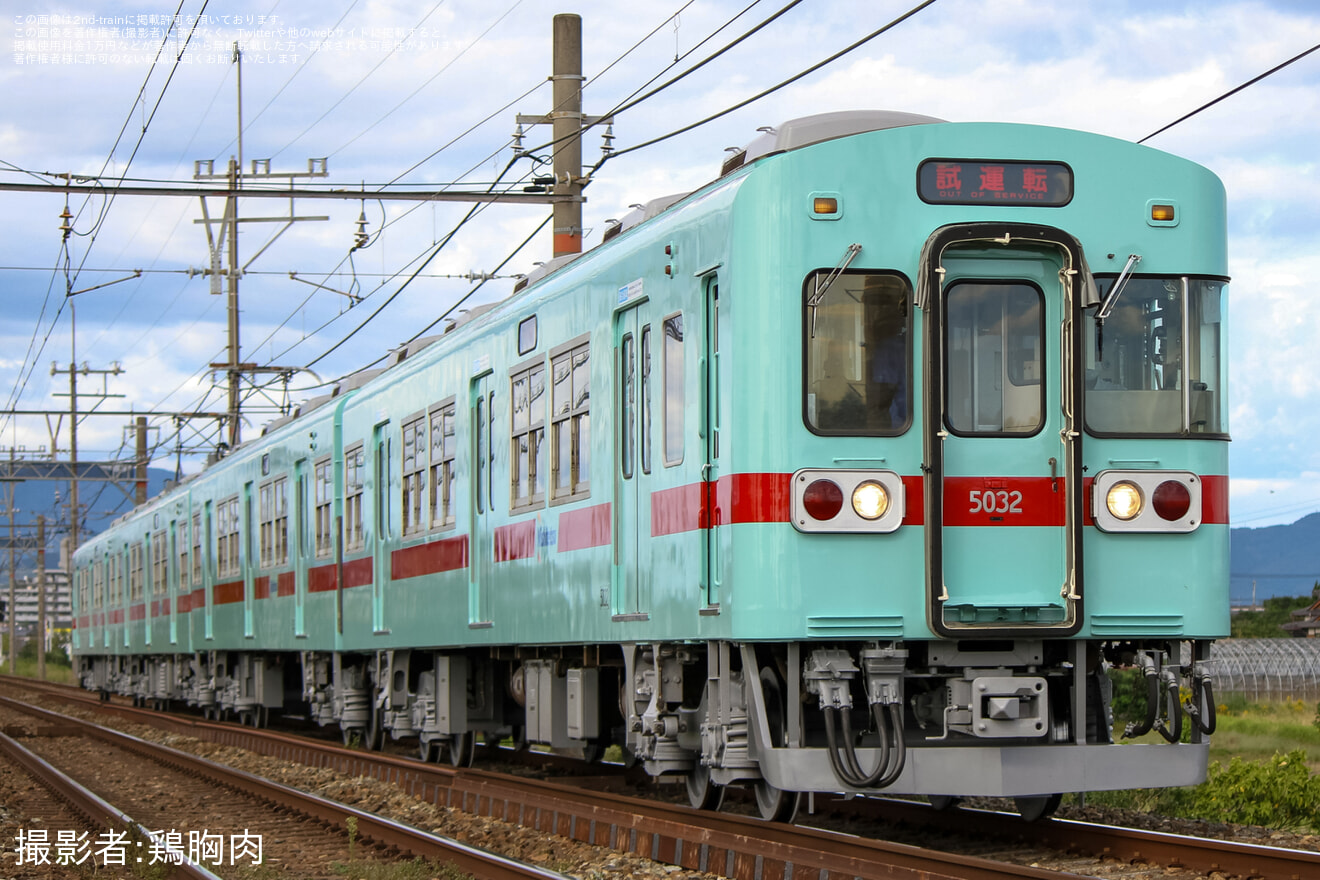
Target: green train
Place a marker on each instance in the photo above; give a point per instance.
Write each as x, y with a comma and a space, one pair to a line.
855, 469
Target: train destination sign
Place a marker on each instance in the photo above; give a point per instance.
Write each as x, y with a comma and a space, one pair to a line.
989, 182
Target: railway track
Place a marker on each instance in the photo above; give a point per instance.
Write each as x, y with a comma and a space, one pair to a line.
985, 844
184, 798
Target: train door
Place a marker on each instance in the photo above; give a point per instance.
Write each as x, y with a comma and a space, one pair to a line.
631, 581
480, 507
248, 562
1002, 436
710, 420
301, 547
382, 449
208, 569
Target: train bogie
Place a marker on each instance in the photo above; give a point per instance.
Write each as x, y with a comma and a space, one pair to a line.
855, 469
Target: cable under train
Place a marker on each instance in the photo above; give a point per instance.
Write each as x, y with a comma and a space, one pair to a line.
852, 470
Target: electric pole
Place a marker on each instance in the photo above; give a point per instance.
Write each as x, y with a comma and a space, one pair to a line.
234, 368
567, 124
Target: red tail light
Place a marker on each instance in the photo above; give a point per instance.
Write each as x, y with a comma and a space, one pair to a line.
822, 500
1171, 500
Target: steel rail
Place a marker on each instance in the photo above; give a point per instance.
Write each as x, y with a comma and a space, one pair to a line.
370, 827
95, 809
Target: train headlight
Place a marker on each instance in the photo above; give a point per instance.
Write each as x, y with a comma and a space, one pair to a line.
1124, 501
838, 501
870, 501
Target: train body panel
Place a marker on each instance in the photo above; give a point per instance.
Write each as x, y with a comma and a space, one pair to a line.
916, 424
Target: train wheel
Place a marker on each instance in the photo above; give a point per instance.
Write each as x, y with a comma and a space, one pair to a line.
375, 735
463, 749
775, 804
1041, 807
702, 793
944, 802
428, 751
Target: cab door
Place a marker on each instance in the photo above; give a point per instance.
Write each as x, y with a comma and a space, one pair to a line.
631, 580
1002, 437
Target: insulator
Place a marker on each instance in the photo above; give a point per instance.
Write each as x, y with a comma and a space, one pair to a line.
361, 238
608, 138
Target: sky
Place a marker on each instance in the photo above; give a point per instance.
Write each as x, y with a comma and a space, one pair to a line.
425, 94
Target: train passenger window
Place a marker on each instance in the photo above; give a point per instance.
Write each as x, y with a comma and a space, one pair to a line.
570, 422
159, 564
181, 543
627, 406
644, 410
994, 336
354, 474
527, 430
1138, 361
98, 584
414, 475
673, 409
273, 503
858, 332
443, 450
324, 482
135, 571
226, 555
267, 525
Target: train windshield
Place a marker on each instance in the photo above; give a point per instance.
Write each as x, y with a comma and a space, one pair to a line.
858, 354
1155, 366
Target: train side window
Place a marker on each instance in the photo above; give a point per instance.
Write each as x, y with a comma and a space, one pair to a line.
570, 422
527, 430
182, 544
135, 571
98, 584
414, 475
354, 465
674, 405
324, 481
159, 563
273, 504
444, 447
267, 524
857, 332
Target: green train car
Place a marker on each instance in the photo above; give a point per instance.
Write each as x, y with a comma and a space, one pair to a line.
853, 470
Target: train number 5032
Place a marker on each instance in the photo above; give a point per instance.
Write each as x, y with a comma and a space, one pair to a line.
995, 501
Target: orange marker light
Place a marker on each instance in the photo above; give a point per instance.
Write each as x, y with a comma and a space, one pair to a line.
823, 205
1163, 213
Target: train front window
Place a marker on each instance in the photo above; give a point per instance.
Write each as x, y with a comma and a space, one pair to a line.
858, 354
1155, 365
994, 349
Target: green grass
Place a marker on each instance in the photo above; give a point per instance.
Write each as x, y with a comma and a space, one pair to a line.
1264, 770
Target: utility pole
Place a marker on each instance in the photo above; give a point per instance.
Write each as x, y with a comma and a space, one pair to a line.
205, 170
41, 598
567, 124
13, 627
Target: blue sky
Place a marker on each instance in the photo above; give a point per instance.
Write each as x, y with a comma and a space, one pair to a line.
379, 109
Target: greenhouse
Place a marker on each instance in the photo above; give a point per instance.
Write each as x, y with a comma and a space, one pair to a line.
1267, 669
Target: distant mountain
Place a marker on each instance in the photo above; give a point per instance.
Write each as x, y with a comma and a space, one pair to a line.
101, 503
1278, 560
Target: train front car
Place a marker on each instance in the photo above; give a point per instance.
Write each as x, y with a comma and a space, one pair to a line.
979, 368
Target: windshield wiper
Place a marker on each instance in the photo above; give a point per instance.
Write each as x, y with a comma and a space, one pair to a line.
824, 284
